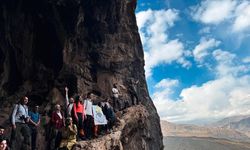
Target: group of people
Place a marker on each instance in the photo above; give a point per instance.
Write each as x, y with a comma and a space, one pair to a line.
67, 125
81, 122
133, 92
80, 119
24, 124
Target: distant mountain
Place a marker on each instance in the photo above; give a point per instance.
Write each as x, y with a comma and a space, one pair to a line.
243, 124
226, 121
181, 130
239, 123
231, 133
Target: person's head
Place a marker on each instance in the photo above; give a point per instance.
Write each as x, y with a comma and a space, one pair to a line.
57, 107
24, 100
115, 85
69, 121
3, 144
2, 130
81, 98
71, 100
100, 104
90, 95
77, 99
36, 108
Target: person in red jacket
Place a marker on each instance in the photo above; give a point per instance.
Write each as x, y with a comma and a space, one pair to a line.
57, 121
79, 115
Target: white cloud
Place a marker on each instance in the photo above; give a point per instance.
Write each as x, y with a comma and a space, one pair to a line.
184, 63
246, 59
226, 95
164, 53
225, 60
224, 57
162, 98
213, 12
235, 13
205, 30
153, 26
142, 17
242, 20
202, 49
167, 83
227, 64
216, 99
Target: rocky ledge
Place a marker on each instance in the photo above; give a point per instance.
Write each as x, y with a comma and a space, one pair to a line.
133, 123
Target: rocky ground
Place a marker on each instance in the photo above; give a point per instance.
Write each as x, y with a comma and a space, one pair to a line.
129, 120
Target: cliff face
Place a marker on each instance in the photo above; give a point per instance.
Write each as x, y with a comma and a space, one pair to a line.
85, 44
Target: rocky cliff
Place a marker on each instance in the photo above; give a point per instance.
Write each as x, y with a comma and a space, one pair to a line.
86, 45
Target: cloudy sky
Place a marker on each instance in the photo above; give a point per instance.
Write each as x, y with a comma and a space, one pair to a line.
197, 56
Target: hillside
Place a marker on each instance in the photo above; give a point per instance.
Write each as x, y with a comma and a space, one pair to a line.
228, 120
193, 137
170, 129
239, 123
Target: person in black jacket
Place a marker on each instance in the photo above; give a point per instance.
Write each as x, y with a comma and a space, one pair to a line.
110, 114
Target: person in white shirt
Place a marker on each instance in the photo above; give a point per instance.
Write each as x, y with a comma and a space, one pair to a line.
69, 103
116, 100
88, 105
19, 120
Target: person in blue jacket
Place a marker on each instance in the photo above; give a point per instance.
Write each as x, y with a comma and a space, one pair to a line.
34, 124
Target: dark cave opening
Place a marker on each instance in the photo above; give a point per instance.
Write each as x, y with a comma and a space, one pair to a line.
1, 61
70, 81
47, 47
14, 77
35, 100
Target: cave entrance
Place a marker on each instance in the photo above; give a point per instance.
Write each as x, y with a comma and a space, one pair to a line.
47, 47
71, 82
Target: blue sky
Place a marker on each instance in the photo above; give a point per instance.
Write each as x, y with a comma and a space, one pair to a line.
197, 57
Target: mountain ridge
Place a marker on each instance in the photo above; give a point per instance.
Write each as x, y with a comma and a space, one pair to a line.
180, 130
